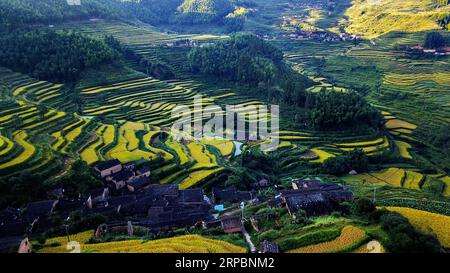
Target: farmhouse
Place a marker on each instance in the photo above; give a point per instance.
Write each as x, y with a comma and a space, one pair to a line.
118, 176
232, 195
313, 197
231, 224
108, 168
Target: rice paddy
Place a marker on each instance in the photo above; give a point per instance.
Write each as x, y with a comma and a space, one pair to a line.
350, 237
428, 223
180, 244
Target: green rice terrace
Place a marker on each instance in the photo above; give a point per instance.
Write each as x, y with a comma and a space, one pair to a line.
119, 109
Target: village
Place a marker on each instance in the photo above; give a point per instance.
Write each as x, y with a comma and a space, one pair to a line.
129, 198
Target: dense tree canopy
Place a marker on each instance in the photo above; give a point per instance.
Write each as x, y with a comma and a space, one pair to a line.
53, 56
15, 13
243, 58
354, 160
328, 109
200, 11
434, 40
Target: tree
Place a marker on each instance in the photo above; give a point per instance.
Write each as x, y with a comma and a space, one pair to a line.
51, 55
403, 238
434, 40
353, 160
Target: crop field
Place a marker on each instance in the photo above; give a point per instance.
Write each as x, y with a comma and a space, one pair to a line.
28, 150
351, 238
374, 18
427, 222
181, 244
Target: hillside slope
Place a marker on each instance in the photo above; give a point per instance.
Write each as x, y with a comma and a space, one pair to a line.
212, 7
372, 18
15, 13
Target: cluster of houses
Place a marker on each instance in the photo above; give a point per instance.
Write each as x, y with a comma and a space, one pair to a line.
322, 36
128, 195
118, 176
183, 43
443, 51
311, 196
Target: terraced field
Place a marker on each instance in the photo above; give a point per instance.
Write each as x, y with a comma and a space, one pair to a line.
427, 222
351, 238
181, 244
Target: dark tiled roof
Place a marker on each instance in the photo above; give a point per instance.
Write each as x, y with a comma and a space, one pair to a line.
140, 182
144, 170
228, 194
122, 200
122, 175
38, 209
65, 207
308, 184
191, 196
108, 164
14, 228
162, 190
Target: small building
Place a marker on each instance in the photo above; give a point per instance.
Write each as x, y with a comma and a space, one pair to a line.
108, 168
313, 203
144, 171
191, 196
314, 197
231, 224
39, 209
263, 183
138, 184
298, 184
232, 195
119, 180
24, 247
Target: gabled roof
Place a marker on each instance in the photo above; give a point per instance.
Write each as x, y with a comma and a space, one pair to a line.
108, 164
123, 175
38, 209
228, 194
144, 169
162, 190
140, 182
231, 222
122, 200
191, 196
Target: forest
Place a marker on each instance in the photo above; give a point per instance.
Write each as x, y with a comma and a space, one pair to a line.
17, 13
53, 56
